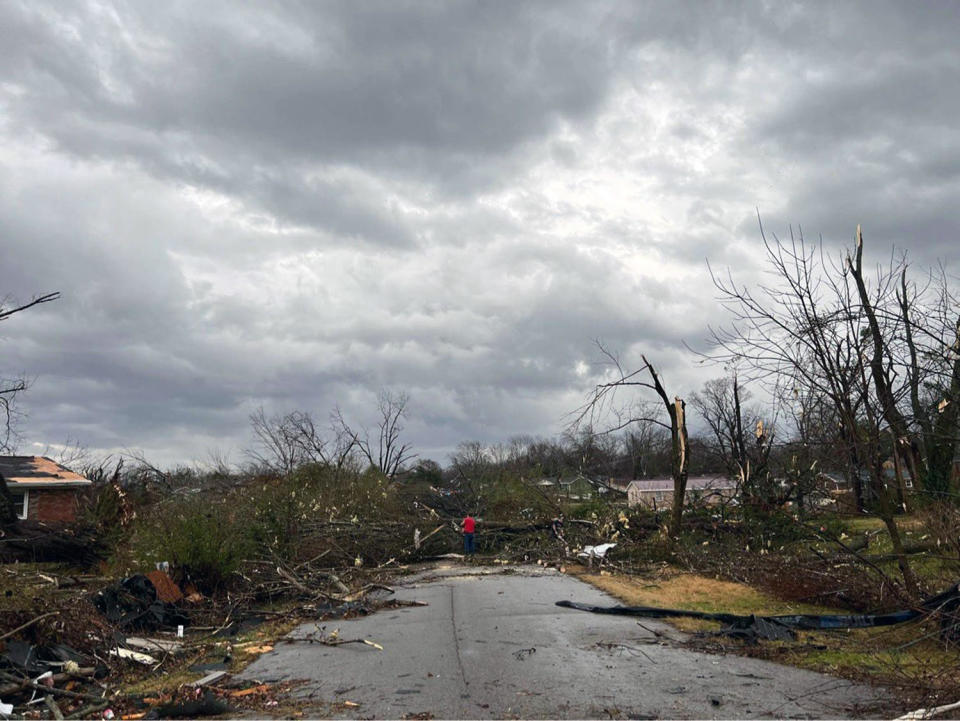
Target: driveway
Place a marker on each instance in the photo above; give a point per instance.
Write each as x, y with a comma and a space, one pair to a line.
492, 644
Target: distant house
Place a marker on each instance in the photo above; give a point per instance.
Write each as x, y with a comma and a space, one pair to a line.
657, 493
836, 489
42, 489
579, 488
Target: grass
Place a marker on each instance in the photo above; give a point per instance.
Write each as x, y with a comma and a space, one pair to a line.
890, 655
935, 570
693, 592
863, 524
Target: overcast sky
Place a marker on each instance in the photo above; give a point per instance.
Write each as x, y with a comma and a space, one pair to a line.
295, 204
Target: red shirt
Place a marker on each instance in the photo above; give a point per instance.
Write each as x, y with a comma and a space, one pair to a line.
467, 524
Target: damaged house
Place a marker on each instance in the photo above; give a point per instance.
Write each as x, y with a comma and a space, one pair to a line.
42, 489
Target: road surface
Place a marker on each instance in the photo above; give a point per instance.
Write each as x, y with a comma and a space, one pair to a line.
493, 645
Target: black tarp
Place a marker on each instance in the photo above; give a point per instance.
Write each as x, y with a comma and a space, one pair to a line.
133, 604
782, 627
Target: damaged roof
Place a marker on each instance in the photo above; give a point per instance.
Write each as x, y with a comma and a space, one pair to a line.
38, 472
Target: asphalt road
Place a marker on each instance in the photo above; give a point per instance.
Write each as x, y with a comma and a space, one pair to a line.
494, 645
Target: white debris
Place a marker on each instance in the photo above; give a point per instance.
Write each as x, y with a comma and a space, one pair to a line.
145, 659
155, 645
596, 551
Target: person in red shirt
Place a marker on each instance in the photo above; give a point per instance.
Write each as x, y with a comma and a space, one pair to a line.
468, 525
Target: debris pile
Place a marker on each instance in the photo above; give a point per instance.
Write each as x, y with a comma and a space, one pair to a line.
135, 603
53, 679
70, 650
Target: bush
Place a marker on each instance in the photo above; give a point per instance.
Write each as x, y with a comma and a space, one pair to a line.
281, 511
204, 541
511, 499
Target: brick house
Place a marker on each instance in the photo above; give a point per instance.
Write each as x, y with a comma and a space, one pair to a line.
42, 489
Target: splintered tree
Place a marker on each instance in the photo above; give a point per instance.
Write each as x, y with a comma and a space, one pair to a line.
607, 401
875, 358
741, 439
916, 337
9, 390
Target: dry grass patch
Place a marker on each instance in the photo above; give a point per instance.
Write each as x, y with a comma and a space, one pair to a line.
693, 592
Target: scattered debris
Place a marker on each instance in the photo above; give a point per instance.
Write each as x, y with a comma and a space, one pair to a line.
258, 649
167, 590
632, 650
596, 551
133, 603
333, 639
206, 705
161, 645
262, 688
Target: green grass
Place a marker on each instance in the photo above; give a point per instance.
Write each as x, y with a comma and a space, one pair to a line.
863, 524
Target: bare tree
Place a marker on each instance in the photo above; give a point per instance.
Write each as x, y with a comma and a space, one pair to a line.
643, 445
824, 332
278, 443
284, 442
384, 449
9, 390
605, 401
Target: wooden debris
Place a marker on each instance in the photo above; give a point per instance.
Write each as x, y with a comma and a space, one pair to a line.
28, 624
54, 709
167, 590
262, 688
210, 678
258, 649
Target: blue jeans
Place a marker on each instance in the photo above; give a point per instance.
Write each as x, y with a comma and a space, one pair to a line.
468, 543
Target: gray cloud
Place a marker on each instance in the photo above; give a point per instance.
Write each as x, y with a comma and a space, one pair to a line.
295, 204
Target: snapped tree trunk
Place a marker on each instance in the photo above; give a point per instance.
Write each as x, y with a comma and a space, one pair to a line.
679, 456
679, 462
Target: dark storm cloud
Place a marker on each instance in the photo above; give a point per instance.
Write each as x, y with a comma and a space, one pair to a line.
428, 89
294, 204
